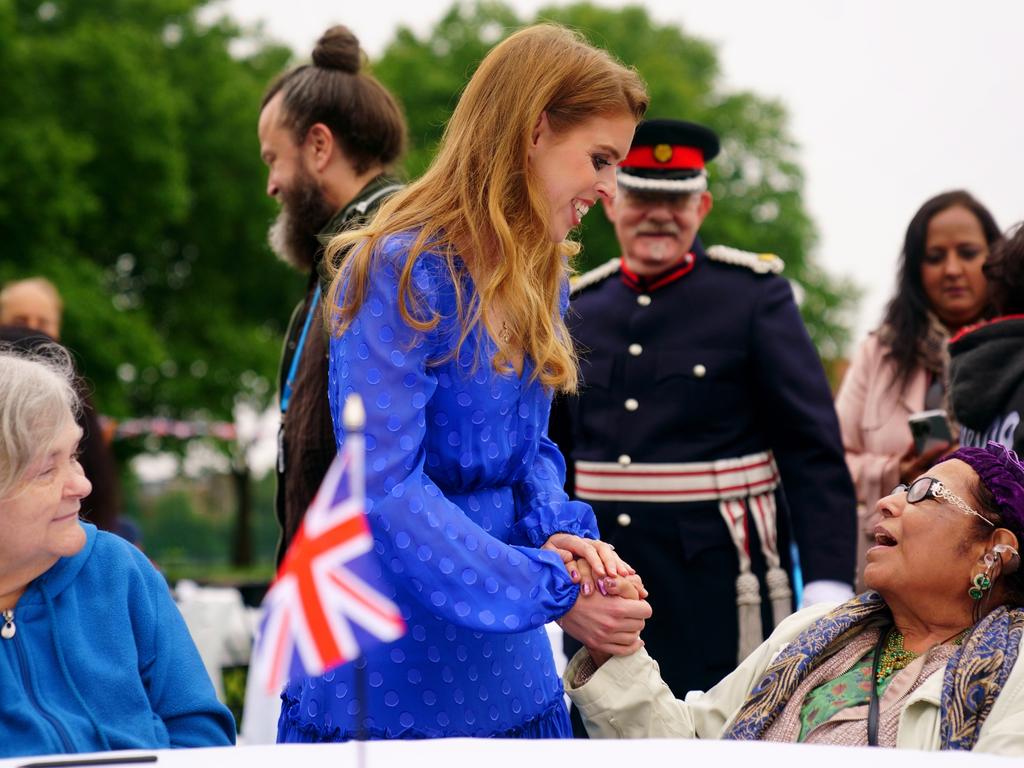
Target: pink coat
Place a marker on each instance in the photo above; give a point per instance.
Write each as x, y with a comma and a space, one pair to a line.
873, 420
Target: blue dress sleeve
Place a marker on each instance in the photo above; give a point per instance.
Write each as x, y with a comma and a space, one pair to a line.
432, 549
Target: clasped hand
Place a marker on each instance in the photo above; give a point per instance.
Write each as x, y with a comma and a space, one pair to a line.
611, 610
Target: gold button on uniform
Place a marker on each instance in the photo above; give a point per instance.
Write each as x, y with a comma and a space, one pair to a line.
624, 519
643, 300
624, 460
636, 350
632, 404
699, 371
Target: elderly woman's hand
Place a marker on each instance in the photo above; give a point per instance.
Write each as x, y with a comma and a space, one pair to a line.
629, 587
609, 625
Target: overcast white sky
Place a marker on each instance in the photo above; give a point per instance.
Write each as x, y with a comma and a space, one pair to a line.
891, 101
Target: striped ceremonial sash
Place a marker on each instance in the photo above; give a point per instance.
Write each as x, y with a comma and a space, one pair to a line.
736, 478
744, 488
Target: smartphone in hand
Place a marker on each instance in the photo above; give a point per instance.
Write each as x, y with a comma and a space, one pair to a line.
929, 428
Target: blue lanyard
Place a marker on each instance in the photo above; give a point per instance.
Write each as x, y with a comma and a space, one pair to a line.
286, 396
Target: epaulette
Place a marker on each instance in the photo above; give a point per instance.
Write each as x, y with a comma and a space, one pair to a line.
596, 275
762, 263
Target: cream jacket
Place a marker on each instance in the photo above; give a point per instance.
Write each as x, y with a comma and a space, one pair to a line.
626, 698
873, 420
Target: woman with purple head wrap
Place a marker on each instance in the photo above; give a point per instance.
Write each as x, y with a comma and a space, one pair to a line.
927, 659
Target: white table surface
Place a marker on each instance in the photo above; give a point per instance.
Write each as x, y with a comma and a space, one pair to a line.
492, 753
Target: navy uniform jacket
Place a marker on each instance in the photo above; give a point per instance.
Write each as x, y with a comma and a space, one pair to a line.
719, 365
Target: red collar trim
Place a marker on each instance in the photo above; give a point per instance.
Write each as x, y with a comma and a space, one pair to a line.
642, 284
971, 328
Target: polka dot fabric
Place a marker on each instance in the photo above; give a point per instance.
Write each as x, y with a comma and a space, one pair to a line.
463, 486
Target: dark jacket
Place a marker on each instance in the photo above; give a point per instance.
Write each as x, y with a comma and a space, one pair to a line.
987, 382
306, 439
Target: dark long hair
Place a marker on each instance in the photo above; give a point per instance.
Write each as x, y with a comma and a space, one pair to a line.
907, 313
1005, 272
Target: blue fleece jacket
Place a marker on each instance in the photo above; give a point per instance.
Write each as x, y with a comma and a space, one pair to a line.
101, 659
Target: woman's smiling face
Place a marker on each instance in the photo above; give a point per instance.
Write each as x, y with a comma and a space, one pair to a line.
39, 522
576, 168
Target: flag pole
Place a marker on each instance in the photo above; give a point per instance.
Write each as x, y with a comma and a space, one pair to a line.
353, 417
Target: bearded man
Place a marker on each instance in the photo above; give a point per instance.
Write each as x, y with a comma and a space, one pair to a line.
329, 134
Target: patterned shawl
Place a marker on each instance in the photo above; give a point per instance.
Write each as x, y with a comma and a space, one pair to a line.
973, 678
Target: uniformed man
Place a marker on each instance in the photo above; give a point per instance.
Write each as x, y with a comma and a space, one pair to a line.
329, 134
702, 398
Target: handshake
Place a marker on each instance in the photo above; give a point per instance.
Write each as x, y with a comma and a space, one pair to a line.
612, 609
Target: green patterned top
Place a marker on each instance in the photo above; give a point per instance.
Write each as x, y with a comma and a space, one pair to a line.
850, 689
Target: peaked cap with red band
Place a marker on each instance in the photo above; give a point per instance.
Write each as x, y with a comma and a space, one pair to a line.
668, 156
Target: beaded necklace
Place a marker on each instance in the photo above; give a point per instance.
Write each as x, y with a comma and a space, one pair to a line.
895, 657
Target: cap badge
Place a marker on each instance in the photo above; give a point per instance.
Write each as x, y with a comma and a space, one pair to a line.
663, 153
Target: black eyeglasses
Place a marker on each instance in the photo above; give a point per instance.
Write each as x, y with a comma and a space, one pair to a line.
930, 488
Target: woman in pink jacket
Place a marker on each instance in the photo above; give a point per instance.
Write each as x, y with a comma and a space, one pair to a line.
902, 367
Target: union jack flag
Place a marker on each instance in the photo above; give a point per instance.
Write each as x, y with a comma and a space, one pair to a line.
324, 605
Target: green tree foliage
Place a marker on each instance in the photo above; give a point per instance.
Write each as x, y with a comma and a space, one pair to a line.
189, 527
132, 179
757, 182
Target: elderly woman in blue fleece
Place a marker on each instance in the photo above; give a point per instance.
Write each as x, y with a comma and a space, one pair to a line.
93, 652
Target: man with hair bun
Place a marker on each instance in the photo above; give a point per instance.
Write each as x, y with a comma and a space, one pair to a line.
329, 134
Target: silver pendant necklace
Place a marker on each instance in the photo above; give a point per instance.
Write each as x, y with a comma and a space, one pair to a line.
8, 630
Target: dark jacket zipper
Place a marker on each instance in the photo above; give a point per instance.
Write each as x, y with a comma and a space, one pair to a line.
11, 634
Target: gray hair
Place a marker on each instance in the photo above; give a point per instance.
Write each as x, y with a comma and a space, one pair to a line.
37, 399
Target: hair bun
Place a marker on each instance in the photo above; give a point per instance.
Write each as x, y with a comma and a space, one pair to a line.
338, 48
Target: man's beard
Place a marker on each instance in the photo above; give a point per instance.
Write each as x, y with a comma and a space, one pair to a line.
303, 215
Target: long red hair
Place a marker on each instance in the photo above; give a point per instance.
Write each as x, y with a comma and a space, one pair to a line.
480, 201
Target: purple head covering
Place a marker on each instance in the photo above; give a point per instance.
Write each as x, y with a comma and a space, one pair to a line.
1003, 474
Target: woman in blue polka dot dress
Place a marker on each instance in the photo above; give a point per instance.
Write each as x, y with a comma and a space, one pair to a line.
448, 322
